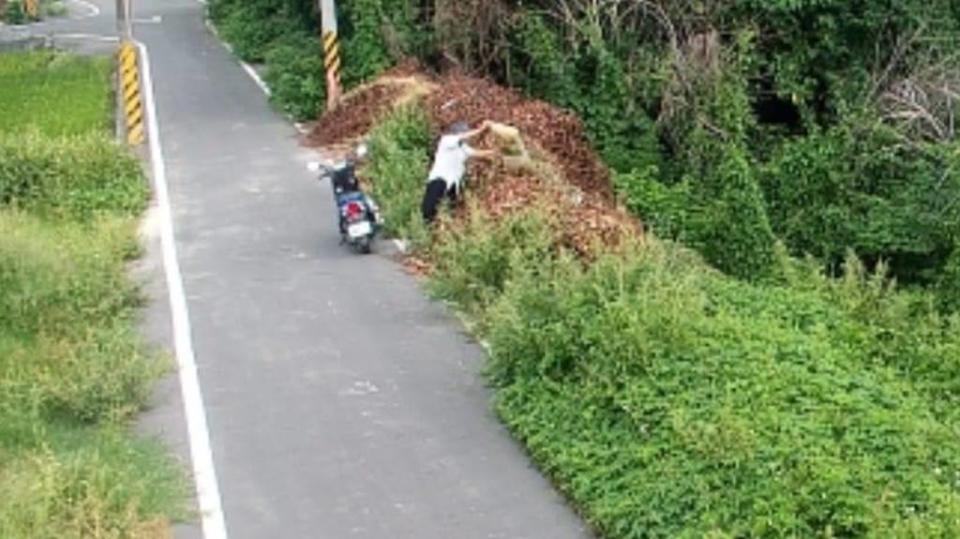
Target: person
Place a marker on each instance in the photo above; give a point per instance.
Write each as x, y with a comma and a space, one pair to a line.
449, 167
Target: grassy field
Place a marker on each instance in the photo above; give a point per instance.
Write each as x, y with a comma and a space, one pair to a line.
54, 93
74, 371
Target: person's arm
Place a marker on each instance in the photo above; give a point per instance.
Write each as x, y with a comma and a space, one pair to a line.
484, 154
473, 152
478, 131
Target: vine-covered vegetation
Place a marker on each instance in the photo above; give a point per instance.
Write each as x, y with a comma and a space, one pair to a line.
807, 150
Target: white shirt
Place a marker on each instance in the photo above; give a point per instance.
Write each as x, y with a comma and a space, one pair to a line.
450, 163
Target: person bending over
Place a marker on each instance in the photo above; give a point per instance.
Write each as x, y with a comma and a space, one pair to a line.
450, 166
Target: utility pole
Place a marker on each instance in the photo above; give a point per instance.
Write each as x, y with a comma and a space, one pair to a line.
32, 7
331, 51
124, 30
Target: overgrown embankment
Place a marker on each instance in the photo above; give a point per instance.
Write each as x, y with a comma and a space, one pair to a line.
729, 126
668, 400
73, 369
716, 386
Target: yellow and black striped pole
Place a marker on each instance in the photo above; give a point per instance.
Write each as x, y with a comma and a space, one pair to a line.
130, 92
32, 7
331, 51
331, 56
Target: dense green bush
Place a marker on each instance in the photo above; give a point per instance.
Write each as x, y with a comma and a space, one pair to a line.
77, 176
594, 83
666, 209
377, 33
949, 284
476, 259
729, 223
15, 13
295, 76
399, 159
717, 206
862, 189
252, 28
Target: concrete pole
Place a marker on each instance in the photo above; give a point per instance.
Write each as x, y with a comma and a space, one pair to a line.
123, 20
331, 51
32, 7
128, 19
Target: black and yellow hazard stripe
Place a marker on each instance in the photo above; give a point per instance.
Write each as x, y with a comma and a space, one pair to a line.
130, 93
32, 8
331, 55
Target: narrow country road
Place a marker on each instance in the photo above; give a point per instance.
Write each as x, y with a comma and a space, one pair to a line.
340, 402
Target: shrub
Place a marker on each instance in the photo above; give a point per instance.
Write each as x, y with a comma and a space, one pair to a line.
91, 484
376, 33
77, 177
252, 28
858, 189
665, 208
949, 284
295, 75
65, 297
398, 165
722, 214
730, 226
15, 13
475, 259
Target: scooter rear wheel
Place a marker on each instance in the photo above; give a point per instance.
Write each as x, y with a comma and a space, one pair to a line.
362, 245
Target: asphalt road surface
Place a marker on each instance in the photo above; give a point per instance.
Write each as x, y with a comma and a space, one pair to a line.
340, 402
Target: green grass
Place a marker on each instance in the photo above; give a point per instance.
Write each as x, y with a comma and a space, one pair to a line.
74, 371
55, 93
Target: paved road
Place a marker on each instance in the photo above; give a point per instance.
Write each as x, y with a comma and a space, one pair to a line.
340, 402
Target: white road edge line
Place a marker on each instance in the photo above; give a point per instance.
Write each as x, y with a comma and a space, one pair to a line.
248, 69
255, 76
208, 491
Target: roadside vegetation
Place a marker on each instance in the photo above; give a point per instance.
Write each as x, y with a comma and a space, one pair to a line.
74, 371
779, 357
17, 12
670, 400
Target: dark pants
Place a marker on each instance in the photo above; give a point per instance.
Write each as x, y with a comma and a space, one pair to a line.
436, 190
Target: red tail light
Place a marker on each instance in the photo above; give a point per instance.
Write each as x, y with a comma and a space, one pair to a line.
353, 210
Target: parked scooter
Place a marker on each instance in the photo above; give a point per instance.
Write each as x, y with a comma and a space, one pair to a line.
359, 217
